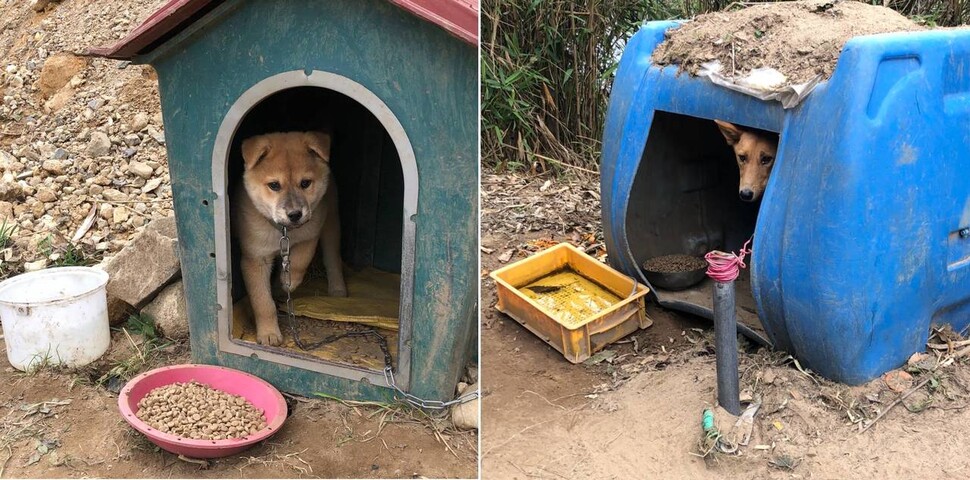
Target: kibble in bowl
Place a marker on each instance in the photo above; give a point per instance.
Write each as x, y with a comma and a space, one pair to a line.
202, 411
198, 411
674, 272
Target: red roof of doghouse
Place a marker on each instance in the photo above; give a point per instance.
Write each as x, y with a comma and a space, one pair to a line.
458, 17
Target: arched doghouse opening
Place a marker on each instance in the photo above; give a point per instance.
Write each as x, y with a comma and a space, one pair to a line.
376, 175
684, 200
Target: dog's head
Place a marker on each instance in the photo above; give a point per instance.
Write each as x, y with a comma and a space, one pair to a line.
286, 174
755, 153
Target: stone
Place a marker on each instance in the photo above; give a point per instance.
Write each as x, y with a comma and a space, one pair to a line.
113, 195
118, 310
45, 195
141, 169
11, 191
35, 266
465, 415
60, 99
99, 145
39, 5
6, 212
7, 161
60, 154
140, 122
146, 265
57, 72
169, 311
54, 167
151, 185
120, 215
156, 135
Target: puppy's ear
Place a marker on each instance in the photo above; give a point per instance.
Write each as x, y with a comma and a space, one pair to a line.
730, 131
318, 143
254, 149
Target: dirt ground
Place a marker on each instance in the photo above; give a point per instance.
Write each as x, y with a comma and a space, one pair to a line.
59, 425
638, 414
800, 39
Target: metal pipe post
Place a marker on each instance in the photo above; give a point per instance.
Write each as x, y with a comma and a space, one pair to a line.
726, 347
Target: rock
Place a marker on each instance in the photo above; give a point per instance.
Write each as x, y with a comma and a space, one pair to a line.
151, 185
35, 266
156, 135
11, 191
7, 161
39, 5
129, 152
146, 265
118, 311
112, 195
170, 312
54, 167
6, 212
465, 415
140, 122
60, 154
57, 72
141, 169
60, 99
99, 145
120, 215
45, 195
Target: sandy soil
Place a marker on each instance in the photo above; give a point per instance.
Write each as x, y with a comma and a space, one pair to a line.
800, 39
638, 415
321, 438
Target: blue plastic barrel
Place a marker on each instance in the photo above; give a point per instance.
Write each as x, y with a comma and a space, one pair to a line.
862, 238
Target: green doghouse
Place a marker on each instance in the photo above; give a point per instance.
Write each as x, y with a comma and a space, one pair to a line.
396, 84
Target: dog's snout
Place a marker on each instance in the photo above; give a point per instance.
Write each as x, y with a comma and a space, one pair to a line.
747, 195
294, 215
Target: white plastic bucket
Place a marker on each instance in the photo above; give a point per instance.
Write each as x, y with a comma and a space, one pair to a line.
57, 316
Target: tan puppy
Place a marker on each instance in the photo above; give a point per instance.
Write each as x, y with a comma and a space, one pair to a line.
287, 182
755, 153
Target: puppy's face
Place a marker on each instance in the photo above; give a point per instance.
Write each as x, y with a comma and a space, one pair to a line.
755, 154
286, 174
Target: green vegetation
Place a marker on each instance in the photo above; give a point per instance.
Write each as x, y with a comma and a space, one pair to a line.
547, 68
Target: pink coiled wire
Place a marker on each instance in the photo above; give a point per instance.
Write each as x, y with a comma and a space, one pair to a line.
725, 267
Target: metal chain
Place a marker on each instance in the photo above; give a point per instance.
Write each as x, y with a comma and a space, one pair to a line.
381, 340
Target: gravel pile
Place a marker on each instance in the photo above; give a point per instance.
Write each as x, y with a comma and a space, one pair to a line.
79, 136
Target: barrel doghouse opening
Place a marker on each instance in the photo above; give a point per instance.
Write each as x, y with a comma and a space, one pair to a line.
371, 186
684, 200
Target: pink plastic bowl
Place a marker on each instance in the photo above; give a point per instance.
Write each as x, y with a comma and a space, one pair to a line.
261, 394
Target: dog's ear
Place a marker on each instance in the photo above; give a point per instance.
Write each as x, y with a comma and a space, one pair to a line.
730, 131
254, 149
318, 143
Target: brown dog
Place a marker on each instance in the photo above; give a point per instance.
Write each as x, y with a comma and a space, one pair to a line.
287, 182
755, 153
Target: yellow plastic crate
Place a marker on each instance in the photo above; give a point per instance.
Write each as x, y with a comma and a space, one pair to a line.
576, 339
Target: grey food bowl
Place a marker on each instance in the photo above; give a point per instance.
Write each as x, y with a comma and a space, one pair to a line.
675, 280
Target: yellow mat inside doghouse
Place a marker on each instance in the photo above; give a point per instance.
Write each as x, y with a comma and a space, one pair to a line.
373, 298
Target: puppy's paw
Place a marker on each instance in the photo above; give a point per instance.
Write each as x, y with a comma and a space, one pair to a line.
271, 337
337, 290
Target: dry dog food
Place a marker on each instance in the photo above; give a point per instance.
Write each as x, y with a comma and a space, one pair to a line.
197, 411
674, 264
